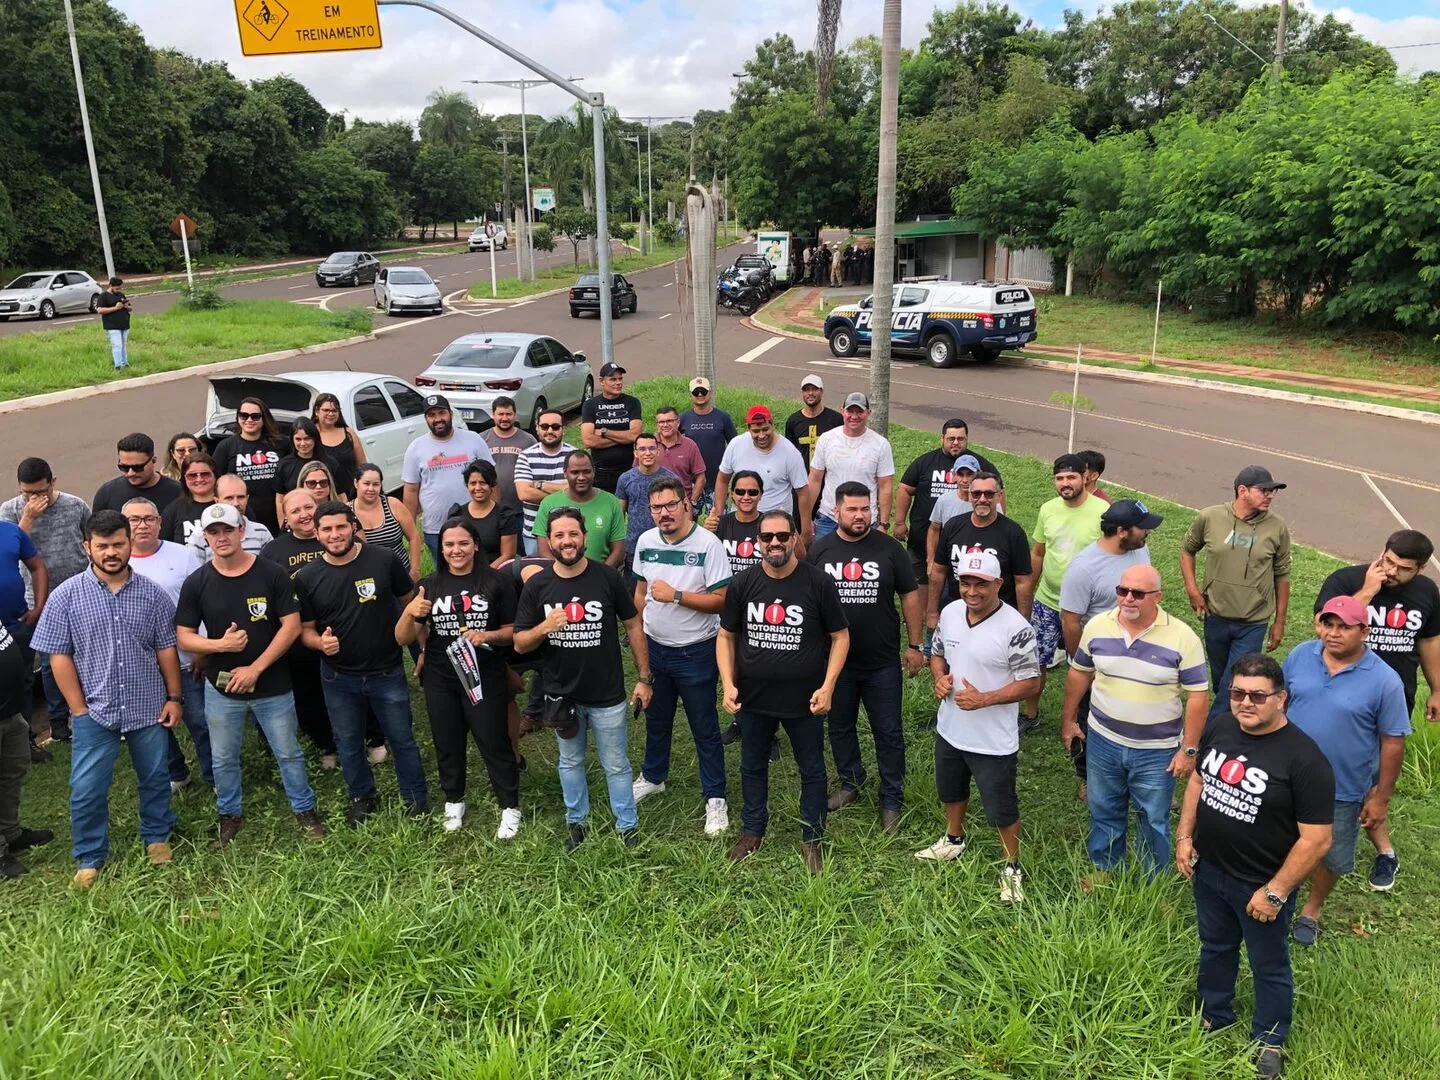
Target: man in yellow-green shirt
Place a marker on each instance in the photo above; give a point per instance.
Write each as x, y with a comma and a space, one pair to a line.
604, 517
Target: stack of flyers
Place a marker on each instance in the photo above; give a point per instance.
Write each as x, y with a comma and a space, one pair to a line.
467, 670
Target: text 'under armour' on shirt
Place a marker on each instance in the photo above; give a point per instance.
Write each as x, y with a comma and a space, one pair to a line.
868, 573
583, 661
360, 602
255, 602
612, 414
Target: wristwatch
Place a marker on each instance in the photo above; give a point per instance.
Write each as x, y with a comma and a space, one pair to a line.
648, 680
1190, 751
678, 594
174, 699
1274, 899
917, 648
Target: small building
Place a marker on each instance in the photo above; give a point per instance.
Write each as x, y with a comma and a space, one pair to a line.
957, 250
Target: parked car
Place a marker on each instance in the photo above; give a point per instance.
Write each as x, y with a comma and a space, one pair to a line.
480, 241
48, 293
585, 295
407, 288
537, 371
347, 268
388, 413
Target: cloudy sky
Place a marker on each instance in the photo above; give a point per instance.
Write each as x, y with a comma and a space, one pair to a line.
663, 57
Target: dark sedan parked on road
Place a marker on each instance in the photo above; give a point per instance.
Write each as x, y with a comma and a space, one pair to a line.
585, 296
347, 268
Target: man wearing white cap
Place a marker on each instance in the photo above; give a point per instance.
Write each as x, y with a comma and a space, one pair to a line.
711, 429
806, 424
984, 664
851, 452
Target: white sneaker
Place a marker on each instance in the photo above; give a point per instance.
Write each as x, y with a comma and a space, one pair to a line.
177, 786
509, 824
377, 754
454, 815
642, 787
942, 850
1011, 889
717, 817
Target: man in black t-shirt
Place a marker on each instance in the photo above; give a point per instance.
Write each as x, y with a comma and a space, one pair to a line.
574, 608
782, 645
14, 755
113, 307
1256, 820
135, 458
610, 422
869, 569
984, 528
805, 425
247, 606
350, 600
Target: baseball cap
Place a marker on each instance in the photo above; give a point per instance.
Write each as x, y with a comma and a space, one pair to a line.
436, 401
856, 400
978, 564
1347, 609
1257, 476
966, 461
812, 380
1068, 463
221, 514
699, 383
757, 412
606, 370
1130, 514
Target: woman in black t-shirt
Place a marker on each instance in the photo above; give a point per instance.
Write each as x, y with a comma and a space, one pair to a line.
338, 441
466, 599
253, 453
305, 447
497, 525
182, 517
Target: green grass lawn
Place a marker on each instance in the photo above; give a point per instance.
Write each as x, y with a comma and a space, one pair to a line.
399, 951
563, 276
178, 337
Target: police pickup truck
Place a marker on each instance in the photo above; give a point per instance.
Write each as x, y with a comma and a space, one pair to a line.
942, 320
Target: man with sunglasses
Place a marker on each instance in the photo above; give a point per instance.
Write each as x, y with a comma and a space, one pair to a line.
1255, 821
540, 470
711, 429
1402, 609
782, 645
1145, 673
135, 459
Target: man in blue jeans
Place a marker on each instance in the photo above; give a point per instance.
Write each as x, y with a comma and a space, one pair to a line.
248, 609
1256, 820
350, 599
574, 607
97, 624
681, 572
114, 308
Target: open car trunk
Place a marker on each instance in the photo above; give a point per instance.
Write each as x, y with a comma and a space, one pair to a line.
287, 398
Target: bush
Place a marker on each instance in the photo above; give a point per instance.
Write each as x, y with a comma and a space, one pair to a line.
543, 237
667, 231
205, 294
625, 231
358, 318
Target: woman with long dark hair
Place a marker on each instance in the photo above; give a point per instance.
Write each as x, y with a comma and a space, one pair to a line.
304, 447
497, 525
384, 520
340, 442
253, 453
182, 444
181, 519
466, 599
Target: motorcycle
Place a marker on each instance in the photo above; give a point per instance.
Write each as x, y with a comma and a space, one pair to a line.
732, 292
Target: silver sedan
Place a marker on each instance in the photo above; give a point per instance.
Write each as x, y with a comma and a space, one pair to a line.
399, 289
47, 294
535, 371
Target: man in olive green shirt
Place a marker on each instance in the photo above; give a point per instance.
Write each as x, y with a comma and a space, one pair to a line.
1247, 576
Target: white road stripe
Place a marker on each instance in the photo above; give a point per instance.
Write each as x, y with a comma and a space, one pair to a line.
1394, 513
300, 286
840, 364
759, 350
665, 316
410, 322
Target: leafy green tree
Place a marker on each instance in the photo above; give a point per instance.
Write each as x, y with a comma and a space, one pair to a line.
976, 39
388, 148
308, 118
340, 203
443, 186
575, 224
796, 169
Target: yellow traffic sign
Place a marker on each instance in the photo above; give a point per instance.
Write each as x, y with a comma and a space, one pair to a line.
272, 27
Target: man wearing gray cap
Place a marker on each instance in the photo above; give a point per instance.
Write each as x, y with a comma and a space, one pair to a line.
1247, 576
851, 452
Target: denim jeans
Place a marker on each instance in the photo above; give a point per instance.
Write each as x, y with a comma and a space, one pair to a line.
55, 706
119, 347
881, 691
688, 674
432, 542
276, 716
346, 697
1223, 923
807, 742
611, 747
92, 770
1116, 777
1226, 640
192, 689
824, 525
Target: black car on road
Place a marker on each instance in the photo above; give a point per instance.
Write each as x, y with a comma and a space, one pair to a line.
585, 295
347, 268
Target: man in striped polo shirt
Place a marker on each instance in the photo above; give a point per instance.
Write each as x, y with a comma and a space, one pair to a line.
540, 470
1145, 672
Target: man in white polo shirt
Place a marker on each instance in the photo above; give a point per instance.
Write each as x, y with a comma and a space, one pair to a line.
681, 572
851, 452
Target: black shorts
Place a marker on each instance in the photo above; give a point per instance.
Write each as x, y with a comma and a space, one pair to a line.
920, 565
994, 775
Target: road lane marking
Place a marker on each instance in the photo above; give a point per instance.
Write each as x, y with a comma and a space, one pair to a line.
839, 363
759, 350
414, 321
302, 285
665, 316
1393, 512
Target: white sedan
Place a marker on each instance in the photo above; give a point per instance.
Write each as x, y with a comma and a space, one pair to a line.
47, 294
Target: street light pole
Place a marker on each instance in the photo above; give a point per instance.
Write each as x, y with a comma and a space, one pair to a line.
650, 166
89, 143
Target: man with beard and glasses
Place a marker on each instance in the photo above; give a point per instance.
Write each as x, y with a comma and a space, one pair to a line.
350, 599
869, 569
985, 528
782, 645
775, 461
603, 514
135, 458
680, 455
110, 634
610, 422
250, 617
574, 607
540, 471
434, 469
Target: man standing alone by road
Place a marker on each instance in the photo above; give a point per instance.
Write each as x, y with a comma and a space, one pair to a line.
1247, 575
114, 309
434, 469
610, 422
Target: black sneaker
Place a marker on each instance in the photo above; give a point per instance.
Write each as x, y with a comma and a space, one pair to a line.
29, 838
1269, 1062
630, 838
417, 809
60, 730
575, 838
1029, 723
730, 734
360, 810
230, 826
1382, 874
11, 867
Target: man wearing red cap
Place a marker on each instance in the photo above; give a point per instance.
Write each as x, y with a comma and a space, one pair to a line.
1353, 704
778, 464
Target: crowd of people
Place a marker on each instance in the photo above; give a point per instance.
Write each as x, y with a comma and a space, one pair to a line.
782, 576
819, 262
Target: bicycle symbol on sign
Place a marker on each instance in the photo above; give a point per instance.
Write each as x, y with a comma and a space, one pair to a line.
266, 16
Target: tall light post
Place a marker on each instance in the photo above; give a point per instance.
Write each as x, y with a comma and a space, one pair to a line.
639, 180
89, 142
650, 161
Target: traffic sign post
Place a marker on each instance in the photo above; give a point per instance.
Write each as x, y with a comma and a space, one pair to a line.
544, 198
186, 228
490, 232
276, 27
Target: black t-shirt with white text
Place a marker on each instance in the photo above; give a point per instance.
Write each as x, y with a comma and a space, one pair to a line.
931, 475
804, 431
582, 662
478, 601
114, 494
1398, 618
255, 601
181, 520
739, 538
1002, 538
1257, 789
614, 414
292, 553
258, 464
868, 573
360, 602
782, 628
15, 682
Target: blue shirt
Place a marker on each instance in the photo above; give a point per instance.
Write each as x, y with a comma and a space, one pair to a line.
1346, 713
15, 547
633, 488
712, 434
113, 638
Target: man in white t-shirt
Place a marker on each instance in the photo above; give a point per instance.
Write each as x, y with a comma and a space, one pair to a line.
434, 469
984, 664
774, 459
850, 452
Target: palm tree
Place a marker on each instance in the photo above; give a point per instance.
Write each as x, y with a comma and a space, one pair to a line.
565, 150
448, 118
885, 218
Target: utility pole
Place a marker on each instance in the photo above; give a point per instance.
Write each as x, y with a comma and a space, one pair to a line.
650, 166
510, 215
880, 313
89, 143
1280, 43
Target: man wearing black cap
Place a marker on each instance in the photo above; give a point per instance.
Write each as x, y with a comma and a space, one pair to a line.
609, 425
434, 469
1247, 576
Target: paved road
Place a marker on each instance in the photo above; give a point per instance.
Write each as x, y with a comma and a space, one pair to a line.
1180, 443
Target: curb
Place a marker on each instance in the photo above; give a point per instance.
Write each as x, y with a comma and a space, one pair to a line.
79, 393
144, 279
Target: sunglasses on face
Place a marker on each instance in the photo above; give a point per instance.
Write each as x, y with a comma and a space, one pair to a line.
982, 494
249, 416
549, 427
699, 393
205, 475
131, 468
747, 493
1135, 594
1255, 697
775, 537
319, 482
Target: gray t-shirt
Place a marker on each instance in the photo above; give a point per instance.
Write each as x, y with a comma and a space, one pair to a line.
505, 452
1088, 587
948, 506
58, 534
438, 466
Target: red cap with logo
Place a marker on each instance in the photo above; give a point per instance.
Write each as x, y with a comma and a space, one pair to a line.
1345, 608
757, 412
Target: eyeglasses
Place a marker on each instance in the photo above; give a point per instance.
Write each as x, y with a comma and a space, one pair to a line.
665, 507
142, 519
746, 493
203, 474
1255, 697
317, 482
983, 494
131, 468
550, 427
1135, 594
249, 416
775, 537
